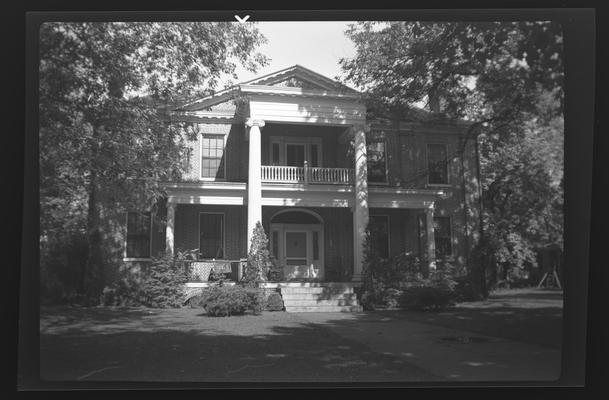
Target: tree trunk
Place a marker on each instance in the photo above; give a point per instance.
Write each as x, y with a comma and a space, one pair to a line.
93, 274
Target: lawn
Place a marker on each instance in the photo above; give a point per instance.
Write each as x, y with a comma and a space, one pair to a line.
184, 345
527, 315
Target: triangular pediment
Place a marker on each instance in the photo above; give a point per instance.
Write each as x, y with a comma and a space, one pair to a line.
292, 77
301, 77
297, 83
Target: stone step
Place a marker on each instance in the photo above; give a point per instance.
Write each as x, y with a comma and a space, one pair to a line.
321, 290
316, 296
312, 302
323, 308
315, 284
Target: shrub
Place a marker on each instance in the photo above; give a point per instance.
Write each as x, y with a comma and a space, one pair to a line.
434, 293
196, 301
258, 258
275, 272
422, 298
367, 300
256, 299
224, 301
390, 297
61, 273
125, 292
274, 302
163, 286
464, 290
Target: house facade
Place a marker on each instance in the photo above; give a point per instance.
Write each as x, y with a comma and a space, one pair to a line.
295, 151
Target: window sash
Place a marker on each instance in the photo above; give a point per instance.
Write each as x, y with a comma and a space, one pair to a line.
211, 235
275, 243
437, 164
376, 153
442, 236
138, 237
275, 158
379, 235
212, 156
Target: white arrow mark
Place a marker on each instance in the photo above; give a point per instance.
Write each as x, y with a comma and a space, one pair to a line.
242, 20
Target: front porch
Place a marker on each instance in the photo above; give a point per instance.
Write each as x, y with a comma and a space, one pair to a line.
310, 244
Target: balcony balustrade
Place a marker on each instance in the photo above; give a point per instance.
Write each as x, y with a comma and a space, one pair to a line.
306, 174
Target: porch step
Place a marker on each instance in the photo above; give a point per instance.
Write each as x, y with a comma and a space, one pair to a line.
322, 303
318, 290
318, 296
296, 309
326, 298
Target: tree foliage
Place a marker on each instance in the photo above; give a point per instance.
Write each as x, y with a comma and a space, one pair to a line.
404, 63
258, 258
506, 78
104, 144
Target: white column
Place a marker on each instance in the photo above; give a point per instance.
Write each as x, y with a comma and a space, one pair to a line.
360, 209
254, 182
431, 241
169, 231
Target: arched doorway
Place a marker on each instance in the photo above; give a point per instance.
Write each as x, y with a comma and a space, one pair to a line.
297, 242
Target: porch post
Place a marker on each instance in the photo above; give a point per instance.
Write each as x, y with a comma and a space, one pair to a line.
360, 209
171, 215
254, 184
431, 241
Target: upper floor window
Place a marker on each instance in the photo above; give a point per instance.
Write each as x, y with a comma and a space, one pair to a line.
212, 156
443, 242
211, 235
437, 164
379, 235
377, 160
138, 235
294, 151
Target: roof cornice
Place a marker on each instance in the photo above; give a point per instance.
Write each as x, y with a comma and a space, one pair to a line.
295, 91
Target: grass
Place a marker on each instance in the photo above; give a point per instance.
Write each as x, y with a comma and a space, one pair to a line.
184, 345
527, 315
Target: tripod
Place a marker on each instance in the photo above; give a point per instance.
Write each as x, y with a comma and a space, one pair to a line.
552, 279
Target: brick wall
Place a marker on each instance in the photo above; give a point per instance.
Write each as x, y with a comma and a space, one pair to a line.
235, 151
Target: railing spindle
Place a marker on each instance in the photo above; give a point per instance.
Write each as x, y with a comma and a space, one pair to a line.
288, 174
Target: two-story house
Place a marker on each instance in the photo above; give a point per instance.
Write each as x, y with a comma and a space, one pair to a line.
294, 150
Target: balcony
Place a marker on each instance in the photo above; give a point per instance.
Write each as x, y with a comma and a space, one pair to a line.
307, 175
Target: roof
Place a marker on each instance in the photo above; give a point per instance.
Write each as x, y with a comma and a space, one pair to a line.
316, 84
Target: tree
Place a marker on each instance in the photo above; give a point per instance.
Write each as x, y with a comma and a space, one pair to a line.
258, 258
104, 143
506, 78
458, 69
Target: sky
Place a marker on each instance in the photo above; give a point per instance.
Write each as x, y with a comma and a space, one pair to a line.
315, 45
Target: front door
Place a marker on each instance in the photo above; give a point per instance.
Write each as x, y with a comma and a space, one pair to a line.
296, 249
299, 249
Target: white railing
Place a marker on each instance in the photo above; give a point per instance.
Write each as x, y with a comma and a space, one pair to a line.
281, 174
331, 175
285, 174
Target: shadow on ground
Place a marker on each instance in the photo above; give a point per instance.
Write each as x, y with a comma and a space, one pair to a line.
526, 315
112, 344
181, 345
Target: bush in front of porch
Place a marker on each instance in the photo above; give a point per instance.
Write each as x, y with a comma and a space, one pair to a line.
221, 300
258, 259
161, 287
399, 282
